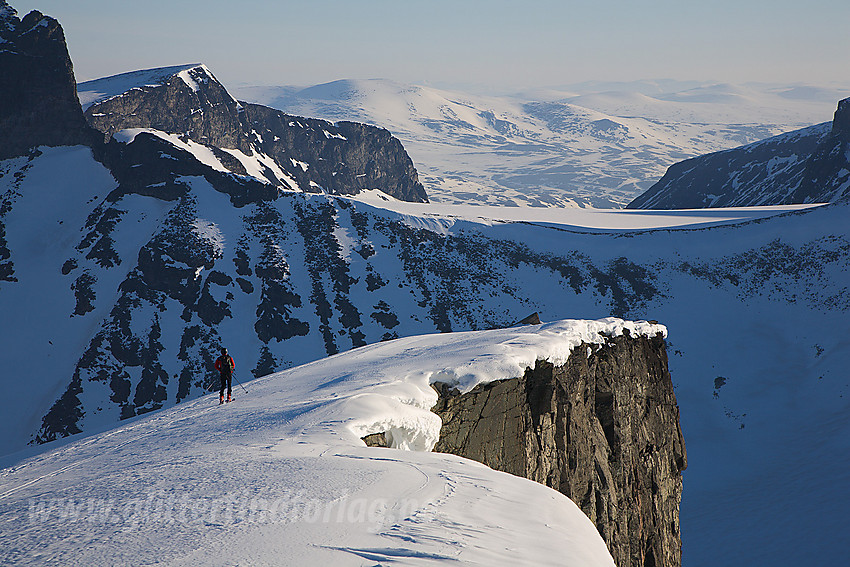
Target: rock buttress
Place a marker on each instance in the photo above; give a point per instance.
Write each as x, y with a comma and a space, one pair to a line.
602, 429
38, 92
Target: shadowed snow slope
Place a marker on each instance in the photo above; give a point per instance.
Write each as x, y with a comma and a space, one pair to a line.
280, 476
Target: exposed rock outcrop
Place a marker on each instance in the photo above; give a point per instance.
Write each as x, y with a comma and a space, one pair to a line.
533, 319
376, 440
38, 93
344, 158
841, 120
826, 177
602, 429
811, 165
189, 101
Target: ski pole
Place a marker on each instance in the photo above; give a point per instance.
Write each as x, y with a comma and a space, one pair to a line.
238, 382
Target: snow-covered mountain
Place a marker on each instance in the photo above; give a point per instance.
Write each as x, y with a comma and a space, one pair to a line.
289, 152
134, 294
589, 145
811, 165
126, 265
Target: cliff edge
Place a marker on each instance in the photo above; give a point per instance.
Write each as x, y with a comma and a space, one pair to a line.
602, 428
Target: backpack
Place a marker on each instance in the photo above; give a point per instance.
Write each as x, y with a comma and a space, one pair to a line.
227, 364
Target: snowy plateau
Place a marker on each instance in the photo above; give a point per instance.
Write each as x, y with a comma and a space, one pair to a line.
128, 261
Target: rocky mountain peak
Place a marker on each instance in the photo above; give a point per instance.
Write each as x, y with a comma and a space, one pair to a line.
8, 19
841, 122
185, 99
99, 90
38, 94
312, 155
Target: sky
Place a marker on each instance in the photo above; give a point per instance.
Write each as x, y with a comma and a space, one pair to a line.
496, 44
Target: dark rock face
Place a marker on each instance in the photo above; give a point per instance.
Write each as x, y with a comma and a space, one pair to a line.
376, 440
341, 159
841, 121
602, 429
197, 106
811, 165
38, 93
344, 158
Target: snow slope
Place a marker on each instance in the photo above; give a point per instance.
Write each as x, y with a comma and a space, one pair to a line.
56, 278
595, 145
756, 311
280, 476
47, 240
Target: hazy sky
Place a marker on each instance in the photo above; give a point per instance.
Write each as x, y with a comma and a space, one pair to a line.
506, 45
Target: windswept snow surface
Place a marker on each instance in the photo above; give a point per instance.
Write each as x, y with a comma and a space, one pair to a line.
280, 476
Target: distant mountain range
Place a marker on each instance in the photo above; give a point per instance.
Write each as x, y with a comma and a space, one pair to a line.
595, 144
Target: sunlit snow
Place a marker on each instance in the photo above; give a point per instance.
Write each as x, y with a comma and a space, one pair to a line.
280, 476
579, 219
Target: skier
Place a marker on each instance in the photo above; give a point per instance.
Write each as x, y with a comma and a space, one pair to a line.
225, 365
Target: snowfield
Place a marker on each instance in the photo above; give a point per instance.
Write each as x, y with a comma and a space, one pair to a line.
281, 477
584, 219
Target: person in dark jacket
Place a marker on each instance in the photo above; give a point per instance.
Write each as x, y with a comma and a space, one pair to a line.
225, 365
